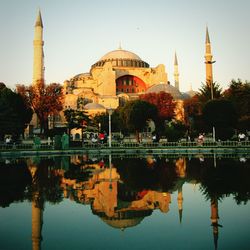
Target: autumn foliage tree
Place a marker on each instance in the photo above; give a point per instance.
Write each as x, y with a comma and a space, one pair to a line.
192, 111
44, 99
165, 105
163, 101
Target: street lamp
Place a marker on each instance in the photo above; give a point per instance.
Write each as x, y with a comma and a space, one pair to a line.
110, 111
110, 172
212, 97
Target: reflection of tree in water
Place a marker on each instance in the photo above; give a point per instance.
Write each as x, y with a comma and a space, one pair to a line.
137, 175
14, 178
45, 183
76, 172
228, 177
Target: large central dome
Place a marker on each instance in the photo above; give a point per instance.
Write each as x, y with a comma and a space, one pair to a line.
121, 58
120, 54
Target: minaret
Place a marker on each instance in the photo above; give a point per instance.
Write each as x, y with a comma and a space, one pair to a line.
38, 60
208, 60
176, 72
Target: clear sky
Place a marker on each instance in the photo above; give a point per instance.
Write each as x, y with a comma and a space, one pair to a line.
77, 33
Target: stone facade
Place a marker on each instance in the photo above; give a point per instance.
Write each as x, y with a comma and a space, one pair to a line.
119, 73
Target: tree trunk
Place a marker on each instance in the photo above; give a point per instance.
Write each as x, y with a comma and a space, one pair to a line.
137, 136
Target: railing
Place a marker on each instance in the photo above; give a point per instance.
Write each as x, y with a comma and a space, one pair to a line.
26, 146
170, 144
89, 145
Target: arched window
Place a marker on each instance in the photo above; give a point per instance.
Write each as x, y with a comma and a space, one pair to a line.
130, 82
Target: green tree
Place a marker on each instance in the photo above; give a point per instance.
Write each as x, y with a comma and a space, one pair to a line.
14, 113
76, 119
103, 120
239, 94
175, 130
222, 115
136, 114
207, 93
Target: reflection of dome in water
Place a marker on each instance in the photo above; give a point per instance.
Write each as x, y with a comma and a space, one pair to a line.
157, 88
123, 223
124, 219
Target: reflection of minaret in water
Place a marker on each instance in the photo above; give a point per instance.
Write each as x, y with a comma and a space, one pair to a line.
180, 202
37, 219
214, 220
180, 167
37, 214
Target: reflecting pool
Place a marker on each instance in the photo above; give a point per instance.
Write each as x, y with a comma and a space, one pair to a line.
125, 202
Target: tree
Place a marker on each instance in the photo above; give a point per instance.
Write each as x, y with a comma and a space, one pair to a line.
175, 130
44, 99
193, 115
239, 94
76, 118
14, 113
136, 114
205, 92
220, 114
103, 120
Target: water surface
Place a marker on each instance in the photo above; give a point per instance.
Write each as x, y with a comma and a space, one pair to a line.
119, 202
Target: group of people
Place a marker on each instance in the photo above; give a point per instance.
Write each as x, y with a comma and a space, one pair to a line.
241, 136
8, 140
201, 138
101, 138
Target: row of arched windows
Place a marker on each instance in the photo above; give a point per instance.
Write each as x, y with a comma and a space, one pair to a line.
123, 63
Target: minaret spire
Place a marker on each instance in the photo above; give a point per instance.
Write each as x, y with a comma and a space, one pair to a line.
208, 60
207, 36
39, 21
176, 72
38, 60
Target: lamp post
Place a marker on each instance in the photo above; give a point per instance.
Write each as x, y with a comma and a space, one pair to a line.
110, 172
212, 97
110, 111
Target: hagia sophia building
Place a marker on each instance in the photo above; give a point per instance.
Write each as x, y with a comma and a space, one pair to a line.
117, 76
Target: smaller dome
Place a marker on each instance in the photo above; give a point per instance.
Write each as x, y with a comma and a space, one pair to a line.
94, 106
191, 93
165, 87
80, 76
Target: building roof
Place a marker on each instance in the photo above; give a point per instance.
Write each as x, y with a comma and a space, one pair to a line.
165, 87
120, 54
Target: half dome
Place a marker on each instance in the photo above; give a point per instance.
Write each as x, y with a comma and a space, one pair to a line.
165, 87
94, 106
